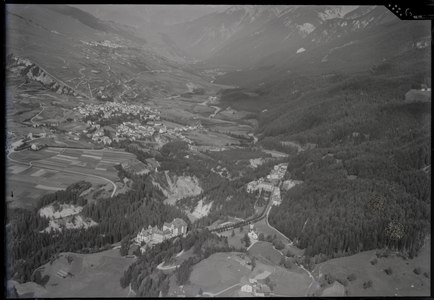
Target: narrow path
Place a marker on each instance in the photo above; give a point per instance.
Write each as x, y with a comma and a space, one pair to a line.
310, 275
248, 248
217, 110
222, 291
130, 291
31, 120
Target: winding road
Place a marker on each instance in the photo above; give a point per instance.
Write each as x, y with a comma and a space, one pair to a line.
217, 110
275, 229
31, 120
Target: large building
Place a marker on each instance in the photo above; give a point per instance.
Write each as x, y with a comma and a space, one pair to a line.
176, 227
153, 235
259, 185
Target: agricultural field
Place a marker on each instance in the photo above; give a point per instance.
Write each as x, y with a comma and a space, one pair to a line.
290, 283
223, 274
217, 272
88, 275
265, 252
55, 169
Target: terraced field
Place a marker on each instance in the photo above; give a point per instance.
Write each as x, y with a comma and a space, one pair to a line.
32, 174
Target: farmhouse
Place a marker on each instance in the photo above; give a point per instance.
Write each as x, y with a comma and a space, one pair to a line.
247, 288
256, 289
253, 236
261, 290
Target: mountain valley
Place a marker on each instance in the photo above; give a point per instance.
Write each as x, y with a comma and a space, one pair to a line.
288, 139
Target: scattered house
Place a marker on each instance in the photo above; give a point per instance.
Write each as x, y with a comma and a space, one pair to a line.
261, 290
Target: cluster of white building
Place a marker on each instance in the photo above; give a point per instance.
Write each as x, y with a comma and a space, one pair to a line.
271, 183
105, 43
134, 131
117, 109
153, 235
130, 130
278, 172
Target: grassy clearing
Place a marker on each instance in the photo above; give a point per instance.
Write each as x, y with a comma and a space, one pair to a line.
217, 272
230, 271
292, 283
266, 252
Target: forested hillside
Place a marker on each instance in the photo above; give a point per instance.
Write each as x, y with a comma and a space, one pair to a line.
366, 184
117, 217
